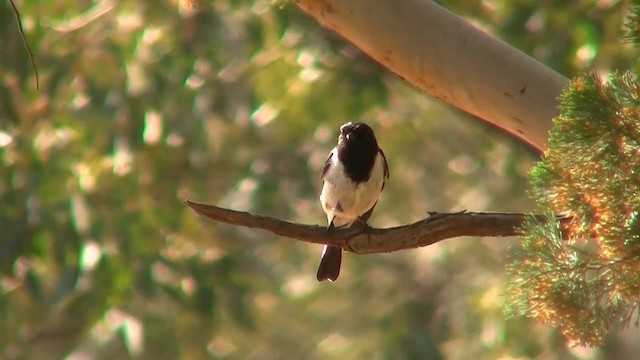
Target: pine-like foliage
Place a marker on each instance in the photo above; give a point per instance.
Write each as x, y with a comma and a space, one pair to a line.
586, 278
632, 24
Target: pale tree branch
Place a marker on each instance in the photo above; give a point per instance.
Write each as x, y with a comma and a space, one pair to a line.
437, 227
443, 55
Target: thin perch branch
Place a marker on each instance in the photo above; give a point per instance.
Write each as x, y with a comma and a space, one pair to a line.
437, 227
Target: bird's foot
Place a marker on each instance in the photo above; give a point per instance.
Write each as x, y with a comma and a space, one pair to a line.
362, 226
330, 227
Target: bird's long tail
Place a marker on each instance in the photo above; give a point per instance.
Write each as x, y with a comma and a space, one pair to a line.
329, 268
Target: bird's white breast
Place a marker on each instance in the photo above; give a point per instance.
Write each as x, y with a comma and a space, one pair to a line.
354, 199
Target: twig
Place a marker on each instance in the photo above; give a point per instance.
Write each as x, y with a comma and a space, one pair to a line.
94, 13
26, 43
437, 227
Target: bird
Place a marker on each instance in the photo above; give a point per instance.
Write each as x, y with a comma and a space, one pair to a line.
353, 178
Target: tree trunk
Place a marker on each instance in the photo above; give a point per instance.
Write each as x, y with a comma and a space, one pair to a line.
448, 58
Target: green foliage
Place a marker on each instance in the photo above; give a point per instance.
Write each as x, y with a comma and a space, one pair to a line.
584, 277
632, 23
237, 103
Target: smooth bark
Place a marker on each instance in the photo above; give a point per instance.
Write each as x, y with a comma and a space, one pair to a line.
450, 59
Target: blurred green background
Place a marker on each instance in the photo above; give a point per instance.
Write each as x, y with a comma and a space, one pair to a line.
146, 103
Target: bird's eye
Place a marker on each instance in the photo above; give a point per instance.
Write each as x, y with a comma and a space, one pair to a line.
348, 136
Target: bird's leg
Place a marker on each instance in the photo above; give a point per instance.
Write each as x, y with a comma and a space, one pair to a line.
363, 226
330, 227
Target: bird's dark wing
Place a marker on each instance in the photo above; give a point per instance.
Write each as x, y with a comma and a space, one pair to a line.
327, 164
385, 167
365, 217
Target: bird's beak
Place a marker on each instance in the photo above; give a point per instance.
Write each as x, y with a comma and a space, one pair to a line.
344, 136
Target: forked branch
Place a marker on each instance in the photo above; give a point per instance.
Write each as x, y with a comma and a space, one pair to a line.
437, 227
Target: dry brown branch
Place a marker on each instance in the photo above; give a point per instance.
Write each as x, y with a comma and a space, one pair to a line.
26, 43
437, 227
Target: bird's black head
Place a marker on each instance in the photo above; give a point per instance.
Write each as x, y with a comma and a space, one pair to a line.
357, 150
